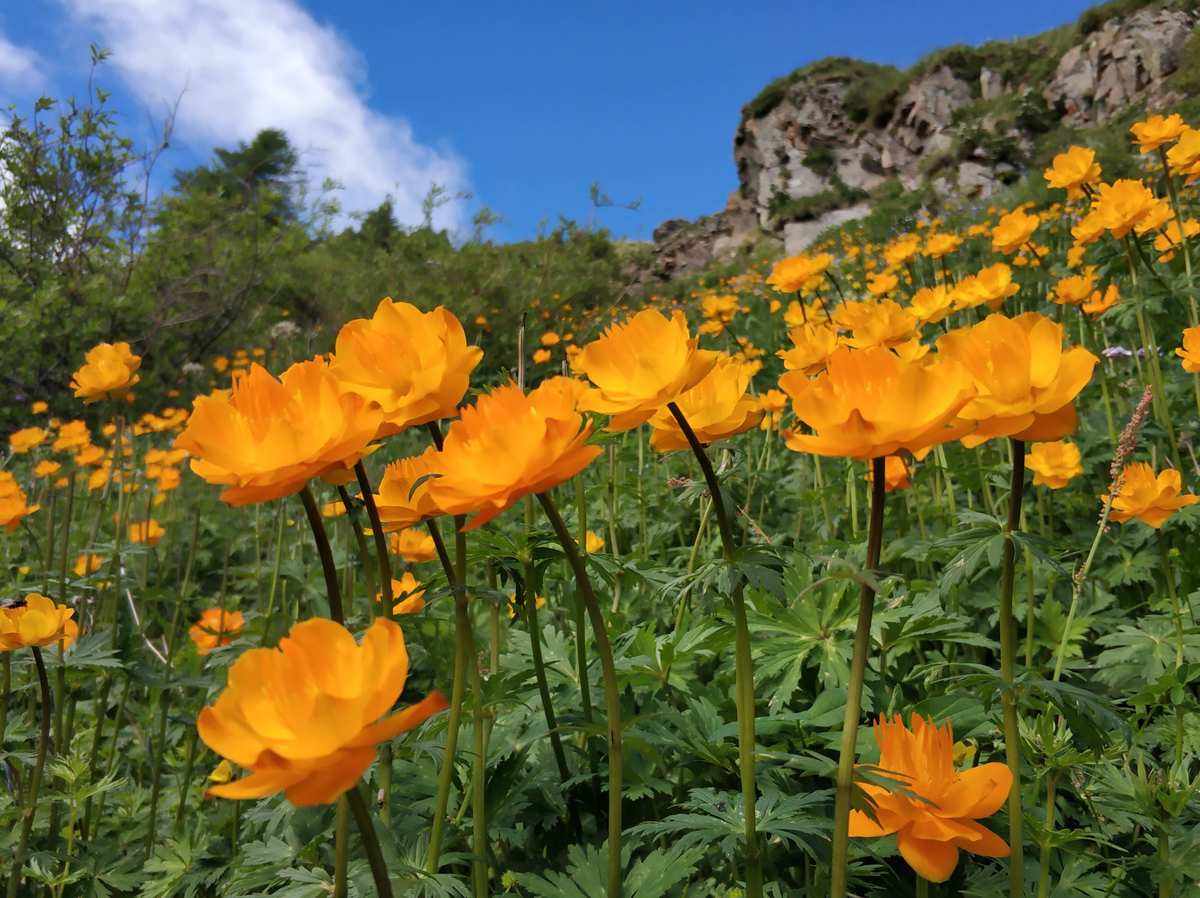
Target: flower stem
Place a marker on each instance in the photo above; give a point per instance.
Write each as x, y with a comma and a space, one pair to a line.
1008, 656
922, 887
743, 663
612, 694
858, 671
332, 587
35, 778
341, 828
366, 829
385, 565
1044, 872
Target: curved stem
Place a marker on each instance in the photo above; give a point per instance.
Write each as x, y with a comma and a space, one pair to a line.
366, 829
1008, 660
743, 664
385, 564
332, 588
858, 671
35, 778
612, 695
359, 540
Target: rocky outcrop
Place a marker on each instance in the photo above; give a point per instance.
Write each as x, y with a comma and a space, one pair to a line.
812, 149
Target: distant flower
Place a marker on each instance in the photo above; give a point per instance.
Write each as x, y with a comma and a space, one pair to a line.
1189, 352
1128, 205
1184, 158
1099, 303
1054, 464
414, 546
895, 474
812, 345
797, 273
109, 371
148, 532
306, 717
21, 441
14, 507
216, 627
87, 564
595, 542
1013, 231
1072, 170
772, 403
941, 815
1153, 132
408, 593
1116, 352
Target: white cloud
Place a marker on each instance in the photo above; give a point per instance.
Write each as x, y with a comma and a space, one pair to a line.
244, 65
20, 67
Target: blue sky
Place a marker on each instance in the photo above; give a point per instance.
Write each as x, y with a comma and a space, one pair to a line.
522, 105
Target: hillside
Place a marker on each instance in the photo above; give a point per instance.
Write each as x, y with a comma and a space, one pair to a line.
826, 143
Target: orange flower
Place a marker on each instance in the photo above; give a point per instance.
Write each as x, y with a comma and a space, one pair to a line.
88, 564
1184, 157
812, 344
798, 273
215, 628
1073, 290
1054, 464
306, 717
595, 542
941, 816
1168, 239
1026, 384
404, 498
772, 404
939, 245
882, 284
46, 468
109, 370
1153, 132
35, 620
1149, 498
410, 595
413, 546
72, 436
1125, 205
887, 325
14, 507
931, 304
1013, 231
509, 445
550, 338
991, 285
1190, 350
1099, 303
716, 408
267, 438
416, 366
895, 474
148, 532
869, 403
1089, 229
901, 250
21, 441
1073, 169
39, 408
638, 367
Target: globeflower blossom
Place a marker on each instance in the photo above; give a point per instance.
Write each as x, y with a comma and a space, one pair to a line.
1054, 464
404, 498
1189, 352
1127, 204
797, 273
716, 408
1013, 231
109, 371
35, 620
414, 546
1153, 132
306, 717
1073, 170
1147, 497
408, 593
21, 441
638, 367
216, 627
935, 809
415, 366
14, 507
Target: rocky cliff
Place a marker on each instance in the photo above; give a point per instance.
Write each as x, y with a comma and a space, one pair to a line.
816, 147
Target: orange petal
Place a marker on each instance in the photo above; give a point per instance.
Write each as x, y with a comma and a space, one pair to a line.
988, 844
863, 827
934, 861
258, 784
339, 773
978, 792
400, 722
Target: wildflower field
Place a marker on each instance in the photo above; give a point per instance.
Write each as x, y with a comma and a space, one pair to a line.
868, 571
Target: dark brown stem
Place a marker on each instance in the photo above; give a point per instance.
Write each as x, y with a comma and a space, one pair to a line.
332, 588
385, 565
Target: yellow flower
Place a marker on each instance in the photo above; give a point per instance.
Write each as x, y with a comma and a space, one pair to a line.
991, 285
798, 273
901, 250
1190, 350
931, 304
887, 325
1184, 157
595, 542
882, 284
1149, 498
869, 404
1168, 240
812, 344
935, 809
509, 445
1013, 231
39, 408
895, 474
88, 564
267, 438
109, 370
21, 441
72, 436
1026, 384
1054, 464
799, 313
409, 595
148, 532
416, 366
550, 338
88, 456
638, 367
1153, 132
13, 505
1124, 205
716, 408
413, 546
772, 404
939, 245
1072, 170
46, 468
306, 717
541, 356
1073, 290
215, 628
36, 621
1099, 303
404, 498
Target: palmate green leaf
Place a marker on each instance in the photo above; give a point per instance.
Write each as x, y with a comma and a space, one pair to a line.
652, 876
1138, 653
